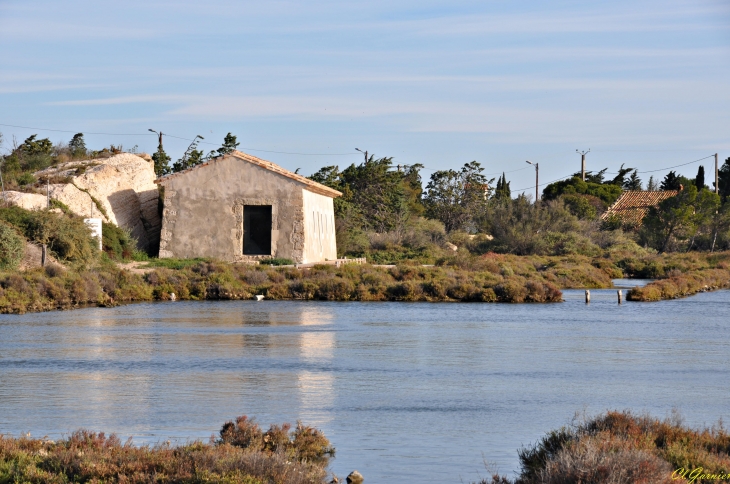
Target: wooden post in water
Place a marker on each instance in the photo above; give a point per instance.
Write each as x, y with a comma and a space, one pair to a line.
588, 296
620, 295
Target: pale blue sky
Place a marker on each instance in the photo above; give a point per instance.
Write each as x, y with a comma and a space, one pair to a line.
646, 83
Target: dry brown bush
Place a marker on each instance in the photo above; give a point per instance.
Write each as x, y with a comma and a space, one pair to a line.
243, 455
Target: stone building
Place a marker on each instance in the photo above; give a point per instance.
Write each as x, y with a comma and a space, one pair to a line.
238, 207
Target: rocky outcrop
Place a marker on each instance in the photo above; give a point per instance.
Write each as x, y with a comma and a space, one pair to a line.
355, 478
28, 201
119, 189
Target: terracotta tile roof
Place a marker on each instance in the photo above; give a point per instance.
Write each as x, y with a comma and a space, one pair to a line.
632, 206
310, 185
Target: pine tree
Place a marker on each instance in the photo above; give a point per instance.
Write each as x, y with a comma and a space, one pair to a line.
633, 183
670, 182
32, 146
228, 146
700, 180
193, 156
652, 186
620, 178
162, 161
77, 146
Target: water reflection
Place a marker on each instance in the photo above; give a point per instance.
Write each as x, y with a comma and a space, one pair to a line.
429, 388
316, 387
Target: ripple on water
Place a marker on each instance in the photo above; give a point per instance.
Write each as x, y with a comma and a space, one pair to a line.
418, 392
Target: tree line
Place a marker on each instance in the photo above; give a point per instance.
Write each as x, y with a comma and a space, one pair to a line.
390, 207
384, 202
21, 160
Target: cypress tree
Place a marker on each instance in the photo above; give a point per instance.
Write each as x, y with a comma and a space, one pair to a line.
651, 186
502, 192
700, 180
724, 180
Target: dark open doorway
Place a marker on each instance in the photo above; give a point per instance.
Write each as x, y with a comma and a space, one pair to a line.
257, 230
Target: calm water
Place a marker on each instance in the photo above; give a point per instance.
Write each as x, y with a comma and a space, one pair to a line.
406, 392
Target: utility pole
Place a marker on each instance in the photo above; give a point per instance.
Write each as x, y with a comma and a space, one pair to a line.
159, 138
537, 180
583, 162
717, 177
5, 198
363, 152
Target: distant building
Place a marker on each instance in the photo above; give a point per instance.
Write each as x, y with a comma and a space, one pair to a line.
238, 207
633, 205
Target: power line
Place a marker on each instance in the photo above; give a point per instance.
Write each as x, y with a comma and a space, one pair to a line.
270, 151
677, 166
649, 151
505, 172
176, 137
541, 184
613, 173
661, 169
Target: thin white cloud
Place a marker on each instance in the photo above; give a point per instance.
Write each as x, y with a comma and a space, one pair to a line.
39, 29
119, 100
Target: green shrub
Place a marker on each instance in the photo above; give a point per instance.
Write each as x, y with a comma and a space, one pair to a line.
117, 242
406, 291
26, 179
606, 192
585, 207
303, 290
176, 263
12, 247
67, 236
277, 261
335, 289
58, 204
511, 290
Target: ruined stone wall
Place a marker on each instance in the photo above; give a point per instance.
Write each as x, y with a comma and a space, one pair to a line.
203, 211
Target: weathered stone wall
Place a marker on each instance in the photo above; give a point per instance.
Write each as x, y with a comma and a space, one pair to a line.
203, 211
123, 186
319, 228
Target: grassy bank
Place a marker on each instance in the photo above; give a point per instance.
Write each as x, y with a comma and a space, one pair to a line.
682, 285
106, 285
243, 454
463, 277
620, 447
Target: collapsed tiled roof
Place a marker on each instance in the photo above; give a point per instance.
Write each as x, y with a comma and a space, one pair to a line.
310, 184
633, 205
